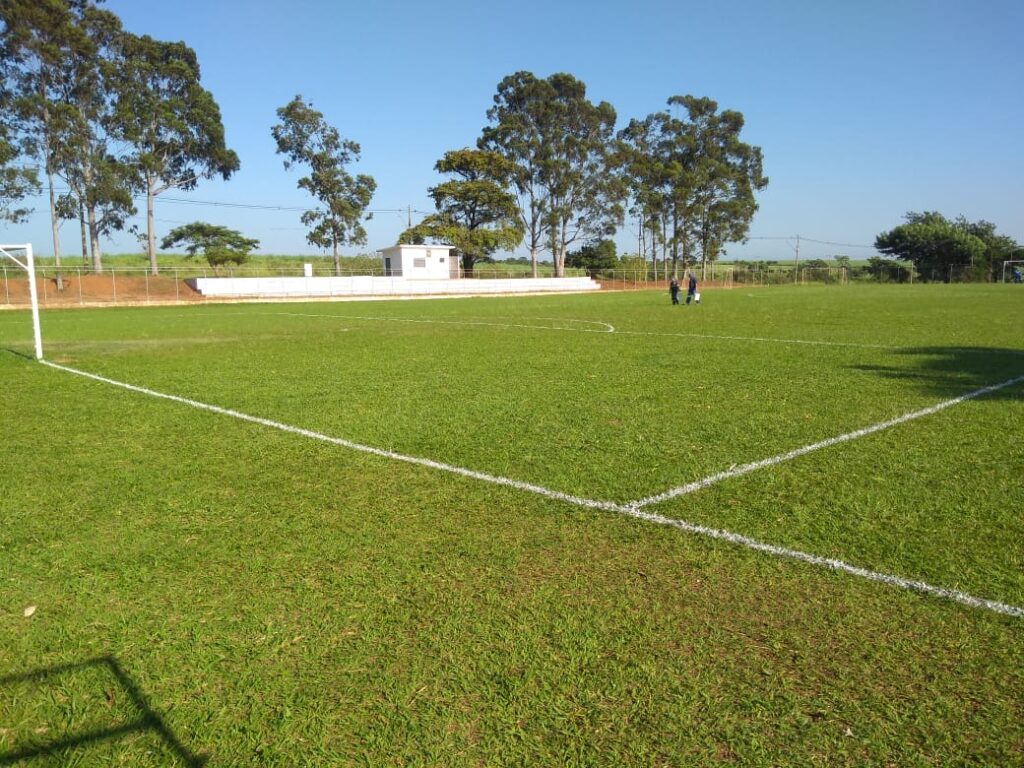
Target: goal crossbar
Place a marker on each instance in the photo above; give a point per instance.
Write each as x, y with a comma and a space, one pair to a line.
29, 265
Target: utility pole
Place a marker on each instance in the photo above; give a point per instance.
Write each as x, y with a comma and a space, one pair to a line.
642, 255
409, 215
796, 268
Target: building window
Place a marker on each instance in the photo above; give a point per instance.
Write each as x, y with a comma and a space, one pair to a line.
441, 259
419, 263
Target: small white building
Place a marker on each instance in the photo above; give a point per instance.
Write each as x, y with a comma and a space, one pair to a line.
420, 262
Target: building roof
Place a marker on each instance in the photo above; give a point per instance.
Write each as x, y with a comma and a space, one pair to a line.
410, 246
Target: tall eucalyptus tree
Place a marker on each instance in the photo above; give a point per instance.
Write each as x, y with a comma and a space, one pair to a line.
693, 177
171, 123
560, 145
305, 138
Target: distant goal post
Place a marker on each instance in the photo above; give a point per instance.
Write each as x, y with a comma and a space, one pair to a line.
1012, 263
21, 254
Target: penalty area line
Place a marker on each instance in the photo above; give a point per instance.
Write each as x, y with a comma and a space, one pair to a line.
900, 582
710, 480
606, 329
630, 510
341, 442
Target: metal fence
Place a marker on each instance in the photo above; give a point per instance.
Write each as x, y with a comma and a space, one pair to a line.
76, 285
723, 276
81, 286
727, 275
70, 286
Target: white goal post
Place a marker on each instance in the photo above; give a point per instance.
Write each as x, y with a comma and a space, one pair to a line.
1012, 261
27, 263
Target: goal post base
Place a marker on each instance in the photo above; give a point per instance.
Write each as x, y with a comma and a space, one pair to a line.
27, 262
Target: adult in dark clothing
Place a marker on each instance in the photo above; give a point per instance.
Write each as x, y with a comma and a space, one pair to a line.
691, 286
673, 289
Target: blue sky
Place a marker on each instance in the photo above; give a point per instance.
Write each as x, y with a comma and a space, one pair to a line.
864, 109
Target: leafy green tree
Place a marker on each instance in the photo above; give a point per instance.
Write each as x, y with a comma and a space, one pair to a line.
305, 138
692, 179
16, 182
559, 144
633, 263
594, 256
932, 244
998, 248
725, 171
219, 245
585, 196
101, 184
516, 136
35, 41
653, 156
639, 159
886, 270
55, 66
475, 213
171, 122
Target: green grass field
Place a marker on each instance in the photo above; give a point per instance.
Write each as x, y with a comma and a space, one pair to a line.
214, 591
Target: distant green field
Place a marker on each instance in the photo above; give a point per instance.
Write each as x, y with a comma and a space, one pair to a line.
262, 262
272, 264
459, 577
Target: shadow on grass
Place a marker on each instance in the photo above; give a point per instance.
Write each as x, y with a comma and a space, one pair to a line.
148, 719
948, 372
23, 355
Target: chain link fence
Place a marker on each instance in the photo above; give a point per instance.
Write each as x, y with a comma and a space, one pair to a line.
81, 286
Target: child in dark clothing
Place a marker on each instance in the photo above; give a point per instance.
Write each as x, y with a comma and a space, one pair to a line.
673, 289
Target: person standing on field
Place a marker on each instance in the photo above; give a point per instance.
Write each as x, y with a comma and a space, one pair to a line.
691, 286
673, 289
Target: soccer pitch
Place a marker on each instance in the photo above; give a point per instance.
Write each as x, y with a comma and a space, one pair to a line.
781, 527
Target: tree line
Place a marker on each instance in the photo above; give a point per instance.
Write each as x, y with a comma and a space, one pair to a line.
110, 114
549, 171
115, 117
936, 247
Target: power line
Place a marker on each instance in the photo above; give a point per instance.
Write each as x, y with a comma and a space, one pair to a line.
407, 211
841, 245
812, 240
260, 207
245, 206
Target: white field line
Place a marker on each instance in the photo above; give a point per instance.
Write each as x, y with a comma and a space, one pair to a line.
776, 340
734, 471
832, 564
623, 509
607, 328
612, 329
495, 479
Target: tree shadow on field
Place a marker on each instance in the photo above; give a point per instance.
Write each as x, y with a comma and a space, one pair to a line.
948, 372
147, 721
